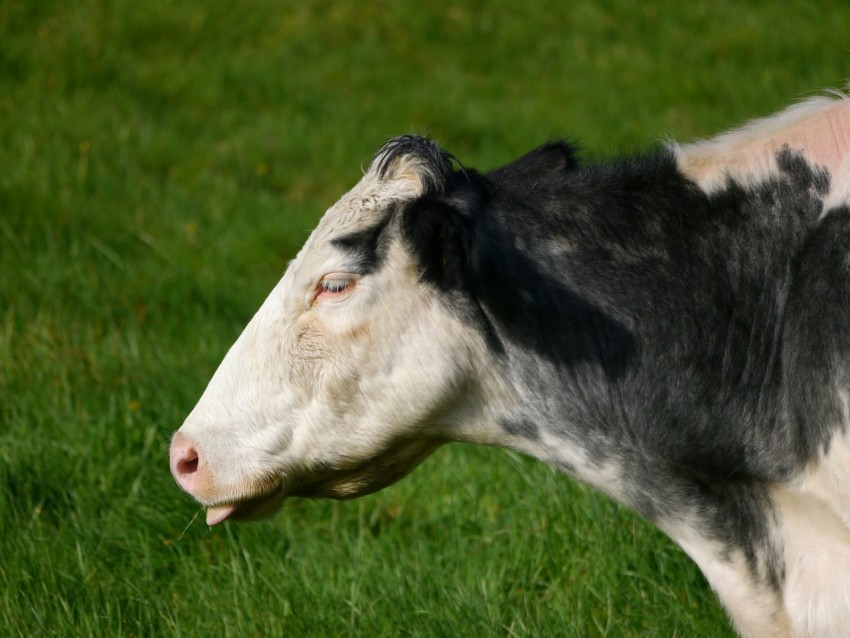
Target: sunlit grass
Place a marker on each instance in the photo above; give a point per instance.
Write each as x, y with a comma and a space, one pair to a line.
159, 164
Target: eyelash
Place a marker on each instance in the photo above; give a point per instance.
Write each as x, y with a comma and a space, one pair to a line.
333, 286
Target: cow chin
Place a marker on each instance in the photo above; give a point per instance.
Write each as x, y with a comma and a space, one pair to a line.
366, 478
262, 508
260, 499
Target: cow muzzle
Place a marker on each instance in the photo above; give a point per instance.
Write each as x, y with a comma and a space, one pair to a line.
250, 499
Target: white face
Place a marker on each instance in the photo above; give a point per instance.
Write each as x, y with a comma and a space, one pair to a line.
349, 375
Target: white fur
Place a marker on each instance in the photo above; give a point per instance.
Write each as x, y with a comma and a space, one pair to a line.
828, 479
817, 565
755, 610
839, 194
814, 544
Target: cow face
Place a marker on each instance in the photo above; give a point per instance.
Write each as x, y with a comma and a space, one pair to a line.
352, 370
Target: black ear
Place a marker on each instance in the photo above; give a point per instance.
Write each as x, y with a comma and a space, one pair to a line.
550, 160
440, 236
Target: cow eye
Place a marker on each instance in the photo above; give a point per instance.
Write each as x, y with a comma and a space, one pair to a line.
335, 286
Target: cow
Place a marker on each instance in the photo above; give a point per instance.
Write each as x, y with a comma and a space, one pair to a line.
671, 328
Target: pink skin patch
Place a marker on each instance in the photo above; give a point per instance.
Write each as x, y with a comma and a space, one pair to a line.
819, 128
824, 139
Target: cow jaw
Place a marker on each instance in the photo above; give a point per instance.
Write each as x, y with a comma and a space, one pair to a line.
364, 478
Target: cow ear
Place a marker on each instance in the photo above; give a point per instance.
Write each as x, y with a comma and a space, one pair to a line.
552, 159
440, 236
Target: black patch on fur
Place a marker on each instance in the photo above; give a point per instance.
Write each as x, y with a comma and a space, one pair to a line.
521, 428
442, 238
696, 341
367, 248
458, 249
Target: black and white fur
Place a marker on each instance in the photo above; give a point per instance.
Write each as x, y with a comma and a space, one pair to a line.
670, 328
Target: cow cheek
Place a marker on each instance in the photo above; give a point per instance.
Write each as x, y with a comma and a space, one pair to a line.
326, 366
305, 356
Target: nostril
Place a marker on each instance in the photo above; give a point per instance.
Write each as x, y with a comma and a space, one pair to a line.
188, 463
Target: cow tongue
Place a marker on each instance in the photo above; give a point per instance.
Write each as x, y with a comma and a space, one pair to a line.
217, 514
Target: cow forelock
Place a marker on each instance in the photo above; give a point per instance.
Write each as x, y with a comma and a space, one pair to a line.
415, 158
403, 169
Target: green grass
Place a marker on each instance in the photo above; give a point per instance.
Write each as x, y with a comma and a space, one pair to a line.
161, 161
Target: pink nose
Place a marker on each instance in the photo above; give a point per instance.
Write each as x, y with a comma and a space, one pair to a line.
185, 463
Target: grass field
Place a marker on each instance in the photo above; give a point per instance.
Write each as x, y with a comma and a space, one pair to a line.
160, 161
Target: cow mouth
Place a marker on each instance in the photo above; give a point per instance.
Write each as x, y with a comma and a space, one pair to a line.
261, 505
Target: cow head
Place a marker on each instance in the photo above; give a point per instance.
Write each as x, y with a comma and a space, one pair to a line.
368, 354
